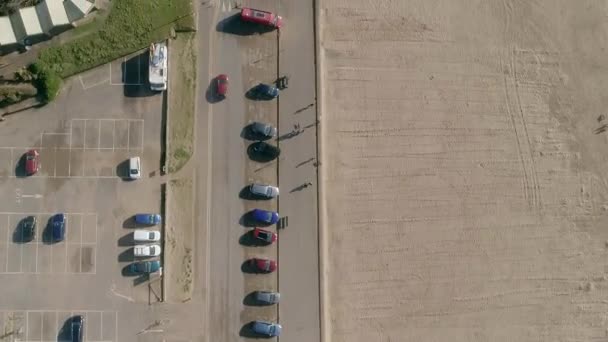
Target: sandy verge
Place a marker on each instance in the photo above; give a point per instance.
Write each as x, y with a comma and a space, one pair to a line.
181, 100
179, 240
465, 151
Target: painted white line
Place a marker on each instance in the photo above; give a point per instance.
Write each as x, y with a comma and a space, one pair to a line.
55, 163
70, 149
113, 290
8, 224
56, 324
12, 161
142, 136
42, 326
27, 319
84, 140
80, 247
116, 326
36, 269
98, 134
128, 135
113, 134
67, 224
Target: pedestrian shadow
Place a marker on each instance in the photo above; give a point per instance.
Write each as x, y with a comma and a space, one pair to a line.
289, 135
299, 188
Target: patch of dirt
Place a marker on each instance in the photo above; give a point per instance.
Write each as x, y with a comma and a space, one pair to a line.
179, 237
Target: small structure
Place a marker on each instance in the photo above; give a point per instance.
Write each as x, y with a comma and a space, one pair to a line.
8, 41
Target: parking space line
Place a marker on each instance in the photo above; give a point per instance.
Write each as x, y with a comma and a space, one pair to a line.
8, 224
128, 135
67, 223
27, 316
70, 149
98, 135
55, 163
113, 134
80, 254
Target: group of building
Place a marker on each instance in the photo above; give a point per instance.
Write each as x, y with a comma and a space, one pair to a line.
33, 24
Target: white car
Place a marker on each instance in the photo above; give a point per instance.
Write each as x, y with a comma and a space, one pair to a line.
263, 190
134, 168
146, 250
146, 235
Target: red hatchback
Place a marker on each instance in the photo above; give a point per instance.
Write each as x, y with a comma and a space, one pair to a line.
221, 85
264, 235
261, 17
32, 162
263, 265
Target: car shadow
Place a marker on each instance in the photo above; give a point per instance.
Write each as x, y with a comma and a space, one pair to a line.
20, 167
126, 271
248, 134
129, 222
259, 157
247, 220
247, 331
65, 331
126, 255
249, 300
122, 171
246, 194
246, 267
234, 25
211, 93
135, 76
254, 95
141, 279
126, 240
249, 240
19, 234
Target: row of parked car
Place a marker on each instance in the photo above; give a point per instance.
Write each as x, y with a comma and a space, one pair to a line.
146, 245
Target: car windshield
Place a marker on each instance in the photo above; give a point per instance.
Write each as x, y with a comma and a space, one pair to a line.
264, 234
30, 157
151, 236
267, 216
133, 171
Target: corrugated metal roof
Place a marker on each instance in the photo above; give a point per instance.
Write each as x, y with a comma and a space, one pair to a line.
7, 36
31, 23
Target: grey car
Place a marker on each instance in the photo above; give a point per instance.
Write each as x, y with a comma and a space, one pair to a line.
266, 328
267, 297
262, 129
263, 190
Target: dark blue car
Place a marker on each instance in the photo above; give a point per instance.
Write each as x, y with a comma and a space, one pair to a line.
265, 91
151, 219
144, 267
58, 227
265, 216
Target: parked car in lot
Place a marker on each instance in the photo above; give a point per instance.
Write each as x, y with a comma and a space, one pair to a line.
32, 162
261, 17
264, 235
263, 265
265, 216
263, 130
28, 228
149, 219
262, 150
134, 168
146, 235
146, 250
221, 86
264, 91
266, 297
264, 190
58, 227
143, 267
266, 328
77, 328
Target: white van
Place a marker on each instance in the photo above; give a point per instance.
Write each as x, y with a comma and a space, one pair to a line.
134, 168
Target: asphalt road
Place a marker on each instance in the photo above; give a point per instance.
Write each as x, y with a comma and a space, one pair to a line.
224, 165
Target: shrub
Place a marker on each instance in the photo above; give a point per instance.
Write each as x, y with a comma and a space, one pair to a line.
46, 80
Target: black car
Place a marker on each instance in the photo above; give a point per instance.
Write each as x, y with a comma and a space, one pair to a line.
262, 130
77, 328
28, 228
263, 151
264, 92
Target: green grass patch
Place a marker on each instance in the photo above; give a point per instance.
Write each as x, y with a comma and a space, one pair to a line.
181, 98
131, 25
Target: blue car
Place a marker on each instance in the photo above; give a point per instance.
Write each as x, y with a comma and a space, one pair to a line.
143, 267
265, 216
151, 219
265, 91
58, 227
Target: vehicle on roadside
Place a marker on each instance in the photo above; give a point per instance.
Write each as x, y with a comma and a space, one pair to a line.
149, 219
77, 328
146, 235
157, 69
264, 235
134, 168
221, 86
266, 328
143, 267
261, 17
264, 91
28, 228
264, 150
146, 250
263, 130
263, 265
32, 162
264, 190
58, 227
265, 216
266, 297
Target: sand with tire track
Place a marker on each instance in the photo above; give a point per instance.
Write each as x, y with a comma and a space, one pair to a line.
465, 150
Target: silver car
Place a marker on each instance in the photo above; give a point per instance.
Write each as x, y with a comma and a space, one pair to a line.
263, 190
263, 129
266, 328
267, 297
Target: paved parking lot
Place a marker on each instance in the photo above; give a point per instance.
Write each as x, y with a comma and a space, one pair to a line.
43, 326
76, 254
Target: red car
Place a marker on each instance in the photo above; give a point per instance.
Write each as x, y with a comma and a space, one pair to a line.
264, 235
221, 85
32, 162
263, 265
261, 17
